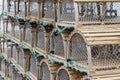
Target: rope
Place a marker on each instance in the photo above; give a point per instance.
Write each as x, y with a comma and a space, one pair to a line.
74, 65
53, 61
27, 76
62, 30
2, 77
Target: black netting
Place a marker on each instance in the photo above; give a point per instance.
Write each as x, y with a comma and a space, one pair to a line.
78, 49
45, 72
5, 5
58, 45
17, 31
10, 72
106, 55
11, 6
49, 9
3, 66
33, 66
22, 8
14, 52
21, 58
41, 39
63, 75
67, 11
108, 11
28, 34
34, 9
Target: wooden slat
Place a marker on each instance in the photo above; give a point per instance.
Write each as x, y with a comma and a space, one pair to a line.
100, 31
97, 0
103, 42
102, 34
84, 26
103, 38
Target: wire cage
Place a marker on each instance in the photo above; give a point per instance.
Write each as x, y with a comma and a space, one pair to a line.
17, 31
14, 54
78, 49
10, 73
58, 45
106, 57
67, 10
45, 72
33, 66
49, 9
34, 8
41, 39
28, 34
63, 75
21, 8
103, 11
21, 58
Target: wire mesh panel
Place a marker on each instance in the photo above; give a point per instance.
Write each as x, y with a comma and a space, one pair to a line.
49, 9
5, 51
41, 39
34, 8
88, 11
106, 56
18, 77
103, 11
58, 45
10, 73
21, 58
78, 49
45, 72
5, 5
11, 6
22, 8
112, 12
17, 31
33, 66
63, 75
28, 34
3, 66
14, 52
9, 31
67, 11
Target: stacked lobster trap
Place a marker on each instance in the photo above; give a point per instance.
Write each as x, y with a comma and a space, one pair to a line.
60, 39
